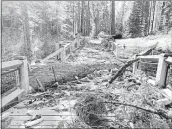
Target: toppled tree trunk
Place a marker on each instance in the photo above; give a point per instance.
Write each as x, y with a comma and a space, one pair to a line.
130, 62
122, 69
149, 50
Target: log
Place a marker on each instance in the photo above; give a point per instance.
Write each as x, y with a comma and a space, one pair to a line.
130, 62
147, 51
122, 69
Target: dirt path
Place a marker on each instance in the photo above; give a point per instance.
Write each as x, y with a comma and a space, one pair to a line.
81, 63
89, 55
57, 106
57, 110
63, 97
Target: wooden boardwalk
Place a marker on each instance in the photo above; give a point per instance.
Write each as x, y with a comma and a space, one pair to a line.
51, 118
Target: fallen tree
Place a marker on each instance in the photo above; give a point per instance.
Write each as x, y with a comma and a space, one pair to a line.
130, 62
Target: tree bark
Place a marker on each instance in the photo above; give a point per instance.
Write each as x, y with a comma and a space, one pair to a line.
79, 21
26, 31
88, 19
113, 18
153, 17
73, 17
122, 19
82, 18
93, 25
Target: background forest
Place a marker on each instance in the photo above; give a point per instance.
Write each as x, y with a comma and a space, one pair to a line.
32, 28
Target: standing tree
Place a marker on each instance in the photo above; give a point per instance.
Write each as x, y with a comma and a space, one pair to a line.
73, 11
88, 19
135, 20
93, 25
79, 18
113, 18
27, 47
82, 18
122, 17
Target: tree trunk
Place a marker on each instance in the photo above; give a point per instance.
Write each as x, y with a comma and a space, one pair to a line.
149, 18
73, 9
88, 19
162, 17
122, 19
153, 15
93, 25
26, 32
79, 23
143, 19
113, 18
97, 22
82, 18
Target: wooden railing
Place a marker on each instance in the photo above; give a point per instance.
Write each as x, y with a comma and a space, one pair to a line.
19, 78
162, 66
116, 49
64, 52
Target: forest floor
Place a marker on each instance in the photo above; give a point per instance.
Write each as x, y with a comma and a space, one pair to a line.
84, 61
86, 72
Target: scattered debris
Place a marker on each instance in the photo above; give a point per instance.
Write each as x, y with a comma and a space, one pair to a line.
129, 102
54, 74
41, 87
88, 108
34, 121
5, 116
164, 102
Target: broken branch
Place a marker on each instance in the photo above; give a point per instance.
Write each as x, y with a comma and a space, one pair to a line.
158, 112
130, 62
40, 85
122, 69
147, 51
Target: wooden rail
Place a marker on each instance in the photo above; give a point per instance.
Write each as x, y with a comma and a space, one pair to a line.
163, 63
61, 52
11, 64
22, 64
116, 48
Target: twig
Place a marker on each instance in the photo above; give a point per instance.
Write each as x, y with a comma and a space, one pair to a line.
158, 112
132, 85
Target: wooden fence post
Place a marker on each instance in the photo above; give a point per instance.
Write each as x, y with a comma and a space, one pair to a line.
161, 71
117, 50
57, 46
113, 46
63, 55
24, 77
135, 65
